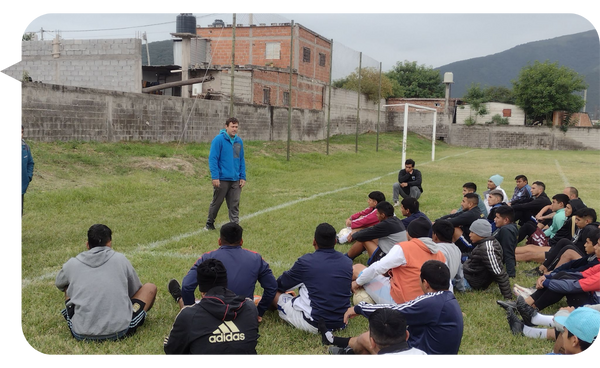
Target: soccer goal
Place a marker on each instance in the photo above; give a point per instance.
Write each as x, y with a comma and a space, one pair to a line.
406, 106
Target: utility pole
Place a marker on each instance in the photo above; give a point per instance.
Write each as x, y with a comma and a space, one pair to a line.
147, 50
329, 97
358, 105
232, 66
289, 132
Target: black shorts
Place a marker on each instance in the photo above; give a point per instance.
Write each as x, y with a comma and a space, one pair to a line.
137, 319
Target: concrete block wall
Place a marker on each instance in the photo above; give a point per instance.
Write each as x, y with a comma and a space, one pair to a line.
114, 64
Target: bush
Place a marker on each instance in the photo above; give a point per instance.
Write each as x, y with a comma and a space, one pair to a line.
499, 120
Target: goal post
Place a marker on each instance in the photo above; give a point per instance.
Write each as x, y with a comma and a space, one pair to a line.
405, 131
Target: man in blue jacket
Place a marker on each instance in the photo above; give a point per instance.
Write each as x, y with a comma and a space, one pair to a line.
324, 279
26, 168
228, 172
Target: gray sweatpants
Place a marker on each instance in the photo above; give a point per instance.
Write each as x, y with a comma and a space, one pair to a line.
398, 191
230, 192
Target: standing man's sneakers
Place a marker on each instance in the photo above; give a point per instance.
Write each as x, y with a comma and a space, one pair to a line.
209, 226
174, 289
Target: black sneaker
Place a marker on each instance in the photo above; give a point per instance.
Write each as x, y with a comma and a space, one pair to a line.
174, 289
515, 324
534, 272
326, 335
336, 350
507, 304
209, 226
526, 311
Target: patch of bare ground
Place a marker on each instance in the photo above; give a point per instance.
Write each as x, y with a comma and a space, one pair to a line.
164, 163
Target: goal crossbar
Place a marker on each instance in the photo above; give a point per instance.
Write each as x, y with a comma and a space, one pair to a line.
406, 106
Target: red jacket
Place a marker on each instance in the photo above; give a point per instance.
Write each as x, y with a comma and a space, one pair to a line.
364, 218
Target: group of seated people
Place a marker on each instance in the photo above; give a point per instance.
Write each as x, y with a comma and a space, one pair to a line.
407, 284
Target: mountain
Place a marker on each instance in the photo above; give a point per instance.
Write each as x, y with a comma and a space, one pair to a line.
580, 52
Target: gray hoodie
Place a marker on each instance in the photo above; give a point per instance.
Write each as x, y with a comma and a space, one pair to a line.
99, 283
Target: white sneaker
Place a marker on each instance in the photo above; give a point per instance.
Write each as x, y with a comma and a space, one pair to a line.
396, 204
519, 290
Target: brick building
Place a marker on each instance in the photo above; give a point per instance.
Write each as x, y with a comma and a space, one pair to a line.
264, 50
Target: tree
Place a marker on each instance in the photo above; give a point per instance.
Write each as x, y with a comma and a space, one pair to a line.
475, 98
416, 81
499, 94
369, 83
542, 88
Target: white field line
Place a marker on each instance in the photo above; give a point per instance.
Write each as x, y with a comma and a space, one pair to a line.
141, 248
562, 174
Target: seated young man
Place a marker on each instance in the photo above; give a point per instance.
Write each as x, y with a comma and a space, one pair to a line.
382, 236
442, 231
538, 241
471, 187
410, 210
221, 323
527, 209
368, 216
462, 221
494, 183
403, 263
104, 297
484, 265
506, 234
324, 277
409, 183
435, 321
522, 190
494, 201
244, 268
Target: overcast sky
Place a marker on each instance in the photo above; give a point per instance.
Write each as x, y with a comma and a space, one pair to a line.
429, 39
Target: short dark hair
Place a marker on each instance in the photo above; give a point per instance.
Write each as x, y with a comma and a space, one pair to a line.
436, 273
325, 236
470, 185
387, 327
99, 235
583, 345
411, 204
386, 208
539, 183
562, 198
522, 177
594, 235
231, 120
497, 194
377, 196
586, 212
444, 230
506, 212
231, 233
472, 197
410, 161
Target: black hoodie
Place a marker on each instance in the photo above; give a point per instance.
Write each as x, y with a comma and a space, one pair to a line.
221, 323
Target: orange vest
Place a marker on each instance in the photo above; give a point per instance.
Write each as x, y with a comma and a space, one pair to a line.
405, 280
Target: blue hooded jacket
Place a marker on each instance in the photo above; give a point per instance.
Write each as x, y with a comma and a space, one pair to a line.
26, 166
226, 158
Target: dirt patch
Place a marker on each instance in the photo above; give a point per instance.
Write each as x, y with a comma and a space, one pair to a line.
164, 163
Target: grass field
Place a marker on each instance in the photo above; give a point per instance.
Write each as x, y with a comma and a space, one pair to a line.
155, 198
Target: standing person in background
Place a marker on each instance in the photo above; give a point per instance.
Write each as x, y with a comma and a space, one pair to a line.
409, 183
26, 168
228, 172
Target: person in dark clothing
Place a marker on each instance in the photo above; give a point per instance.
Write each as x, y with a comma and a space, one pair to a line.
324, 278
494, 201
221, 323
527, 208
383, 235
410, 210
409, 182
484, 265
506, 234
462, 221
26, 168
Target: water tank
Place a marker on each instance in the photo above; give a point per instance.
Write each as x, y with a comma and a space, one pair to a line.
218, 23
186, 23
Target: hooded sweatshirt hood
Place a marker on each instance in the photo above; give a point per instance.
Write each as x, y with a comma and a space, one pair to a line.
433, 246
96, 256
576, 205
224, 132
222, 303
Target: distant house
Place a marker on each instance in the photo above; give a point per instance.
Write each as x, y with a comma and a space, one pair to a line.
262, 59
514, 114
579, 119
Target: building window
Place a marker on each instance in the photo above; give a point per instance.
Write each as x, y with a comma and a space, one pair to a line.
306, 54
266, 96
506, 113
286, 98
273, 50
321, 59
